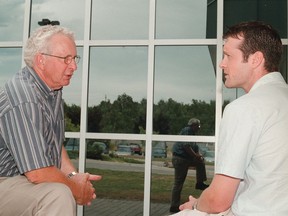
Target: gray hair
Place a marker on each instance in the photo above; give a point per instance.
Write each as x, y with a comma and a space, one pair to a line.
38, 42
193, 121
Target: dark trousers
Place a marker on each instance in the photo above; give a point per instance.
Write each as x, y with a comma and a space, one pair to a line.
181, 167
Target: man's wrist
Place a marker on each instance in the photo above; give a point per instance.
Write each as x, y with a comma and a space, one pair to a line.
70, 175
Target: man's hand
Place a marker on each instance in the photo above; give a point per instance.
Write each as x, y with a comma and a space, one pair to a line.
189, 204
86, 192
94, 178
199, 157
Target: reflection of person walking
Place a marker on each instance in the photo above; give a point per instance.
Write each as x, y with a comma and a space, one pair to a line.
185, 155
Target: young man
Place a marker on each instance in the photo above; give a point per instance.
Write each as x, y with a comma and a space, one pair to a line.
36, 174
251, 167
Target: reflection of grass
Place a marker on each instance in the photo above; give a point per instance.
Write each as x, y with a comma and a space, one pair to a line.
130, 185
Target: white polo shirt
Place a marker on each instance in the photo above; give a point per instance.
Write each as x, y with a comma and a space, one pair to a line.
253, 146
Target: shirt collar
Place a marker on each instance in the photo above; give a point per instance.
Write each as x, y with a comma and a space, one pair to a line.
40, 83
268, 78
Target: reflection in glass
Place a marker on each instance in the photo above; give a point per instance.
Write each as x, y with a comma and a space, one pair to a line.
272, 12
72, 147
184, 88
117, 89
163, 175
185, 19
10, 63
70, 14
11, 20
120, 20
122, 169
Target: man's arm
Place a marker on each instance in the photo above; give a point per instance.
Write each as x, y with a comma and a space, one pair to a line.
66, 164
80, 184
188, 149
218, 197
68, 167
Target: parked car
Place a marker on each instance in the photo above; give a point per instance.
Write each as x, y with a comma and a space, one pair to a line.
124, 150
159, 152
94, 150
137, 148
209, 156
159, 149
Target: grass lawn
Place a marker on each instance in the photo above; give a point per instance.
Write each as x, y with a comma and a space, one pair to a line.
130, 186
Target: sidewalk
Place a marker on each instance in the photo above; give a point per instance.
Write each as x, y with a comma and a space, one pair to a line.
108, 207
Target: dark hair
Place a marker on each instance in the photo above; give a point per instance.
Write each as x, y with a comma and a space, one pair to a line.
258, 36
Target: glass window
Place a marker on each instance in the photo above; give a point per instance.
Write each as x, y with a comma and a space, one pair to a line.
122, 19
72, 148
70, 14
184, 88
10, 63
121, 164
117, 89
272, 12
11, 20
185, 19
162, 180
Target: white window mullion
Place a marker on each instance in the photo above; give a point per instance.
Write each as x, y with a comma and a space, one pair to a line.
84, 92
219, 83
149, 117
26, 26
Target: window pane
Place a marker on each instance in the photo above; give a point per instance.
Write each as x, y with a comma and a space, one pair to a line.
72, 148
70, 14
122, 19
10, 63
184, 88
163, 175
272, 12
11, 20
117, 89
122, 170
184, 19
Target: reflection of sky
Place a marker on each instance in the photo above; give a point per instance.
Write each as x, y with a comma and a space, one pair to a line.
70, 13
184, 72
180, 74
11, 20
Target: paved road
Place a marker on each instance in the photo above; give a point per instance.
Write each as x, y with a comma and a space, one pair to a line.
108, 207
157, 167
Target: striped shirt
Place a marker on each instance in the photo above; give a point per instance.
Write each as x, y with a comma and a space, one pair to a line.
31, 124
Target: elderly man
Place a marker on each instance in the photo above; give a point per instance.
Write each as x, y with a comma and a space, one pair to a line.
36, 175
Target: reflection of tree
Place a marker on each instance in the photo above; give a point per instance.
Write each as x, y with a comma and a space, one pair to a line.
126, 116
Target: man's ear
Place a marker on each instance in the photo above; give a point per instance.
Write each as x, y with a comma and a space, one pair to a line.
39, 61
257, 59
